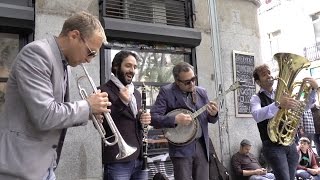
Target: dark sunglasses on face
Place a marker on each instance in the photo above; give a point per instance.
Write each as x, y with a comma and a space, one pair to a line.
90, 52
188, 82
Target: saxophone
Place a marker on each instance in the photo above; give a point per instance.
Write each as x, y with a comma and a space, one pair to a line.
282, 128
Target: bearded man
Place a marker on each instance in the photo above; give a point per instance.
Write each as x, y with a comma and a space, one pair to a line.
128, 117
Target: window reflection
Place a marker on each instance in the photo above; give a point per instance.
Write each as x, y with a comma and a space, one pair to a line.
154, 70
8, 50
154, 67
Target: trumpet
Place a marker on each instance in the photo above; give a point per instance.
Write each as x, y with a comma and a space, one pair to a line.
124, 149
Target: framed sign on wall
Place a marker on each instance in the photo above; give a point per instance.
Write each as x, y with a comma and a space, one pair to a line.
243, 65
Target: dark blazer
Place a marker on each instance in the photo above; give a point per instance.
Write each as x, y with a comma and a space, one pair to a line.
169, 98
128, 125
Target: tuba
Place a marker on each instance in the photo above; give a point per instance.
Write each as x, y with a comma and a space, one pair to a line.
282, 128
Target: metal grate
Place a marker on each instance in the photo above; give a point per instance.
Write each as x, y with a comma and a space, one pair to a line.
160, 164
169, 12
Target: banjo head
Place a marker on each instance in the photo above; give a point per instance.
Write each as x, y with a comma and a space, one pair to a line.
181, 134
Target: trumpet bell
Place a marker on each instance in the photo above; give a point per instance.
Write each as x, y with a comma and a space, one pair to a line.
125, 150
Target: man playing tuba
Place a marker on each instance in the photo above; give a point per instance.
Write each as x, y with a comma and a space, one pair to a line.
282, 158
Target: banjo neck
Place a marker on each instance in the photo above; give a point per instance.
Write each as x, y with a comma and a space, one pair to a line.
233, 87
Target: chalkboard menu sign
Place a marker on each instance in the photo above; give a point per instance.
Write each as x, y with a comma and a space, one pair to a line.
243, 65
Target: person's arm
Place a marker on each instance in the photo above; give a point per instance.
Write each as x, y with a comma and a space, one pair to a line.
33, 76
159, 119
210, 118
312, 97
236, 165
262, 113
260, 171
314, 163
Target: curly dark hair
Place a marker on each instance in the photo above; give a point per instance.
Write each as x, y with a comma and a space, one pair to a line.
118, 59
259, 69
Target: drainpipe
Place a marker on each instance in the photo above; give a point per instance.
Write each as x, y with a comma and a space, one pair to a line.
217, 77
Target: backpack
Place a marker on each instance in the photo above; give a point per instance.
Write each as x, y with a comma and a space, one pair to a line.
216, 169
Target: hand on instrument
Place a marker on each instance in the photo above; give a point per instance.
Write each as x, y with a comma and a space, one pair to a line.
313, 83
99, 102
287, 102
184, 119
212, 108
99, 118
145, 118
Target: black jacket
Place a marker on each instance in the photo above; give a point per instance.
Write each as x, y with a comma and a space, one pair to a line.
128, 125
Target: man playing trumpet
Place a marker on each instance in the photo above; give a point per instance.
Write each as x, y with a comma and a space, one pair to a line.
37, 111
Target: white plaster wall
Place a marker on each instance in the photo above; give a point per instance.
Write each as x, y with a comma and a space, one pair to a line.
238, 30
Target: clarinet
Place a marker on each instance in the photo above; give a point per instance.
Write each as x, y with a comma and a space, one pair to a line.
145, 130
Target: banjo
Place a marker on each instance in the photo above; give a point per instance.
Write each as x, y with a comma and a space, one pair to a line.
185, 134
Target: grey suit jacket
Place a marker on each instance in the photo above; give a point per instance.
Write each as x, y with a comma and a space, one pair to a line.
35, 112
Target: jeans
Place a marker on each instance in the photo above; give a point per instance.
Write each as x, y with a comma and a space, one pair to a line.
195, 167
130, 170
316, 140
283, 159
267, 176
49, 175
305, 175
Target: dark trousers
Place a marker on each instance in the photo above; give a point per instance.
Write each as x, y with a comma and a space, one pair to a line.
195, 167
283, 159
316, 140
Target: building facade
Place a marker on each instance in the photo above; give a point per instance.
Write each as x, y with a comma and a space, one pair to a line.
219, 37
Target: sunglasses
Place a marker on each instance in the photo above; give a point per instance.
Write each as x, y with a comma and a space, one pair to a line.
189, 81
90, 52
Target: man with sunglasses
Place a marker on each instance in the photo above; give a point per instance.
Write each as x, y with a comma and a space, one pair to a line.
190, 161
37, 108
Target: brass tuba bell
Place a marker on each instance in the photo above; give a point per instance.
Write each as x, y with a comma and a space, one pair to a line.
282, 128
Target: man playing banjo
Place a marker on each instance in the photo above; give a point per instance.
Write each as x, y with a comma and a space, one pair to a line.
183, 97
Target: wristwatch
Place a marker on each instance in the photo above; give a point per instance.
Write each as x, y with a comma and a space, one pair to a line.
277, 104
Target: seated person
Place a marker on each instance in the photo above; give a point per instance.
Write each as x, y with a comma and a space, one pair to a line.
307, 167
246, 166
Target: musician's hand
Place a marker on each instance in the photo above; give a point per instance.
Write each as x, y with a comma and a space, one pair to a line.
212, 108
313, 83
99, 118
184, 119
287, 102
124, 95
145, 118
99, 102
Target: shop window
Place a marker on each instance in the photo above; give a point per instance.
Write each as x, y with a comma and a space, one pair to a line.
16, 30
